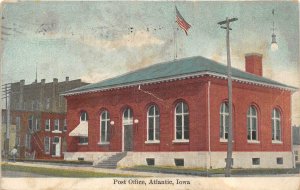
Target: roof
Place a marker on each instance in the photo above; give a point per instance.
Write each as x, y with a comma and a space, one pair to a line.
174, 70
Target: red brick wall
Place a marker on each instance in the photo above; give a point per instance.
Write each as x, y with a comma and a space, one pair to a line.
194, 93
40, 154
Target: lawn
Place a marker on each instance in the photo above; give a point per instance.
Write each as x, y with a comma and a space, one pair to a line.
60, 172
210, 172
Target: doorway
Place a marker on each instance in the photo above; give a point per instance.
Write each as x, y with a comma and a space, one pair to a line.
127, 130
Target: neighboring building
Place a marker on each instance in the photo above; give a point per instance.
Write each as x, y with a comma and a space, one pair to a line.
38, 135
296, 143
32, 106
176, 113
42, 96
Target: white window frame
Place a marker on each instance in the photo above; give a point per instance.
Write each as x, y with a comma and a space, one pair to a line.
223, 115
155, 117
48, 121
182, 123
274, 131
37, 124
106, 119
56, 130
46, 138
251, 116
127, 119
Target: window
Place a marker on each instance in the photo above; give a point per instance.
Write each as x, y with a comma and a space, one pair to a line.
18, 127
252, 123
255, 161
18, 123
65, 125
37, 124
179, 162
47, 103
84, 116
83, 140
30, 122
47, 145
279, 160
153, 123
224, 121
104, 128
55, 140
28, 141
150, 161
181, 121
56, 125
47, 125
276, 128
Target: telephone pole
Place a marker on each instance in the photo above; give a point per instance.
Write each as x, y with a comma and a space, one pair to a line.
229, 75
6, 89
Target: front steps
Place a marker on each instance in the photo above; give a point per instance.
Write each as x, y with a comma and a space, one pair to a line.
112, 161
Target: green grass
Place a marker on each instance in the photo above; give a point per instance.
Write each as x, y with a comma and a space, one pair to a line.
239, 171
59, 172
57, 161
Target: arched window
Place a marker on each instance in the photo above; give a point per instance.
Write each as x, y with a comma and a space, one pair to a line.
252, 125
224, 121
181, 121
276, 125
153, 123
104, 127
84, 116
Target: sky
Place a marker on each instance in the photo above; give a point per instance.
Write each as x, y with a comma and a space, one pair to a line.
98, 40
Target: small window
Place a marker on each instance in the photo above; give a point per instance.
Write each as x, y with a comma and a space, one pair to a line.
83, 140
47, 145
37, 124
279, 160
30, 122
150, 161
80, 159
84, 116
255, 161
47, 125
296, 155
56, 125
55, 140
179, 162
65, 125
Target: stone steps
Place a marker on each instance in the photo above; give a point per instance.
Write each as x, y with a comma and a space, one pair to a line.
112, 161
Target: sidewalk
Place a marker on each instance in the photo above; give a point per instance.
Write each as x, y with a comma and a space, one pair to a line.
90, 168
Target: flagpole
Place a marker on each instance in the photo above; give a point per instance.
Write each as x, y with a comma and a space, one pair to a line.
175, 34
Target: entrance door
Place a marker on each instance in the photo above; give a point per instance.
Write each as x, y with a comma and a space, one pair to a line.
57, 144
127, 130
128, 133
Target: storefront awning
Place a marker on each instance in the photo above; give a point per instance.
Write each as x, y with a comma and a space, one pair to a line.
81, 130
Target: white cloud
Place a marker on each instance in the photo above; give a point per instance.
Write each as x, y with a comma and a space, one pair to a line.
95, 77
136, 40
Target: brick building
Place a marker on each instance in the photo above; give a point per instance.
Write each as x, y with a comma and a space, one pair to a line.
39, 135
42, 96
38, 112
176, 113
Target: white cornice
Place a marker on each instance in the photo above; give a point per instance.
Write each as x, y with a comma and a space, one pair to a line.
181, 77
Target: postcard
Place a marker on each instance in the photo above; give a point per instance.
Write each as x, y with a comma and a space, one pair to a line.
150, 95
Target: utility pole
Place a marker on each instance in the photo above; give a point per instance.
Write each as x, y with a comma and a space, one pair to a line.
6, 94
229, 74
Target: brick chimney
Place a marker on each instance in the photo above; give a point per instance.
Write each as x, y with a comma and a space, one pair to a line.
253, 63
